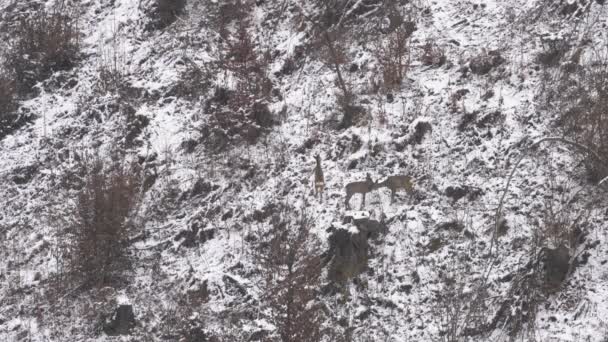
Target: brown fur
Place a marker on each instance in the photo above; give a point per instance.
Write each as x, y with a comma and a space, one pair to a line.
395, 183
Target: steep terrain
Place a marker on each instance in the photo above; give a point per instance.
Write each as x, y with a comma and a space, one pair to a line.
225, 159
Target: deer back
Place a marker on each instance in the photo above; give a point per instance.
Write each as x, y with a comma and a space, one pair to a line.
359, 187
400, 182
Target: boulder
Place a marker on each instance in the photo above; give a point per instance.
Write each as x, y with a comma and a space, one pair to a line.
348, 247
556, 266
121, 322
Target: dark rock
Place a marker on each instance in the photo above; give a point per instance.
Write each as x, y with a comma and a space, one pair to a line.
261, 115
556, 266
189, 145
420, 130
267, 211
372, 228
207, 234
135, 127
582, 259
435, 244
348, 250
308, 144
202, 188
24, 174
456, 226
415, 277
466, 120
348, 254
233, 286
149, 180
364, 315
483, 63
188, 236
456, 192
288, 67
227, 215
121, 322
198, 292
490, 119
487, 95
503, 227
407, 288
163, 13
259, 335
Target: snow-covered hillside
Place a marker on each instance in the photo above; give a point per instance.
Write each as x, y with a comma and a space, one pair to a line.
222, 107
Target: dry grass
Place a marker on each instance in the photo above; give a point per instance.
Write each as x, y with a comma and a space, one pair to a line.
393, 56
99, 236
583, 106
45, 42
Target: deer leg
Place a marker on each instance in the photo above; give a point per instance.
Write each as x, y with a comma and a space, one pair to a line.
347, 199
392, 196
363, 202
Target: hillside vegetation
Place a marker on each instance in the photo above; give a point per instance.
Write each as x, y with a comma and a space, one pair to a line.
303, 170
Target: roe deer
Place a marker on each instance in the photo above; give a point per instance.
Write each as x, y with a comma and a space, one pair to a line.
319, 182
359, 188
395, 183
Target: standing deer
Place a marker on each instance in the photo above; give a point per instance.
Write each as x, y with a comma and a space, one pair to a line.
319, 182
359, 188
395, 183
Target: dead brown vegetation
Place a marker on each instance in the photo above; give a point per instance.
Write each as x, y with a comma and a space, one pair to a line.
99, 237
45, 41
293, 271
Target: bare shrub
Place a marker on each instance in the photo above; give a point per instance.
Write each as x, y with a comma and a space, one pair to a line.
99, 237
292, 271
194, 82
432, 54
564, 219
112, 69
249, 65
394, 57
168, 10
583, 106
553, 51
238, 110
44, 42
8, 102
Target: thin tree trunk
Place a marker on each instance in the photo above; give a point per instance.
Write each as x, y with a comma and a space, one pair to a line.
347, 119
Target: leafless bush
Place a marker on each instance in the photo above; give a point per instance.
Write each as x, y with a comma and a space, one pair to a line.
583, 106
564, 217
292, 272
238, 111
451, 313
394, 57
44, 42
100, 234
163, 13
8, 102
112, 69
168, 10
553, 52
194, 82
249, 65
432, 54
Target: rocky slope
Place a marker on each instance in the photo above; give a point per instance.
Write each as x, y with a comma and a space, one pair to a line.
225, 162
